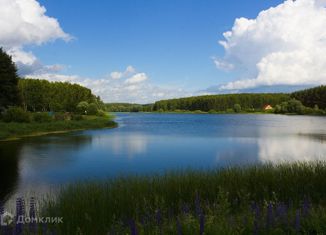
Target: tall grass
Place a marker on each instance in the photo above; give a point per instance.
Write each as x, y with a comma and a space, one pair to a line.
265, 199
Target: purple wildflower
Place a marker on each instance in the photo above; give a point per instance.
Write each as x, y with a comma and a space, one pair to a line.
44, 228
32, 215
20, 213
281, 213
269, 216
159, 220
179, 227
198, 209
158, 217
185, 208
133, 227
253, 206
256, 211
201, 224
142, 220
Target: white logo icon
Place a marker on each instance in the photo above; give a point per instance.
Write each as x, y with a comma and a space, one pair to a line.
6, 219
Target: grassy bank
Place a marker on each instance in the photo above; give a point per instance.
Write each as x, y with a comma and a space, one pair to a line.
15, 130
284, 199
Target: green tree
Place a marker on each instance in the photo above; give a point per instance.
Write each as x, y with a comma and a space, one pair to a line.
82, 107
295, 106
16, 114
311, 97
9, 92
92, 109
237, 108
278, 109
42, 95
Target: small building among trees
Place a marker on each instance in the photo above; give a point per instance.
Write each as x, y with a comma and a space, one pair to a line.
268, 107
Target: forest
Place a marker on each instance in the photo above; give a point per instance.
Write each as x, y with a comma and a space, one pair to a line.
248, 102
126, 107
309, 101
42, 95
313, 97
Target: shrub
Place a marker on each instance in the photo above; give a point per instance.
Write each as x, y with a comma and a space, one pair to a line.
295, 106
101, 113
82, 107
198, 112
278, 109
292, 106
16, 114
316, 108
92, 109
237, 108
42, 117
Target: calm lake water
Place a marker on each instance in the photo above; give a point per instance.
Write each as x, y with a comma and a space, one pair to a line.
153, 143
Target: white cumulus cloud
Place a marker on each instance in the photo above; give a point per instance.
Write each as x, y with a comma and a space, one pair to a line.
24, 22
116, 75
137, 78
130, 70
135, 88
284, 45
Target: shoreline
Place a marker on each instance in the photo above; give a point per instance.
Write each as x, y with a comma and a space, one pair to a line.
55, 127
229, 113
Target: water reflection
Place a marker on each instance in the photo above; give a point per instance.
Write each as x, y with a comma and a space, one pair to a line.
9, 168
149, 143
122, 144
315, 136
291, 149
25, 163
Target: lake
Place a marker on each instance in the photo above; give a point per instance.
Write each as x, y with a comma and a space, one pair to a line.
153, 143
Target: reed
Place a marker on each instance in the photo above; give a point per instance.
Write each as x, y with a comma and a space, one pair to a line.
262, 199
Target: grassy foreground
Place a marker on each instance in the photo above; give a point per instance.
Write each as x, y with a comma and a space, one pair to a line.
17, 130
267, 199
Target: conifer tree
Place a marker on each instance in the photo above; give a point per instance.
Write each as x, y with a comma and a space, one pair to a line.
9, 92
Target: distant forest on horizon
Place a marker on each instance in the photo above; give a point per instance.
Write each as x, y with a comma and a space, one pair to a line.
312, 97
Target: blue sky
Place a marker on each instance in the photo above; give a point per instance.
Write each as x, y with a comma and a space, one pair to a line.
172, 47
173, 41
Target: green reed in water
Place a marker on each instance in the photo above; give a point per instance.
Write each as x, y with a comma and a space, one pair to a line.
262, 199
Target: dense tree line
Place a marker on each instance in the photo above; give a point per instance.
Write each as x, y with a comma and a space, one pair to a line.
313, 98
126, 107
42, 95
310, 101
247, 102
